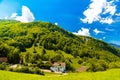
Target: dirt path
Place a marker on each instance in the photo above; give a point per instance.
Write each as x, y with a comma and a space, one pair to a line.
60, 73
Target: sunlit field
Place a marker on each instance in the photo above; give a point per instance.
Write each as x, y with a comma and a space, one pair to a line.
113, 74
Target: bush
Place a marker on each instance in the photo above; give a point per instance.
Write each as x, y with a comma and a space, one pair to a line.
80, 61
43, 65
24, 69
93, 67
27, 70
70, 67
3, 66
38, 71
9, 69
15, 69
114, 64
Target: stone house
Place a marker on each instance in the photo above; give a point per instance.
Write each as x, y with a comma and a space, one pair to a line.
58, 67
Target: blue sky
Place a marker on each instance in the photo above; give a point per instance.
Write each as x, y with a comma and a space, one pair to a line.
97, 18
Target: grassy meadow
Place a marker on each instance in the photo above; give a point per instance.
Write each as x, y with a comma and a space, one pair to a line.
112, 74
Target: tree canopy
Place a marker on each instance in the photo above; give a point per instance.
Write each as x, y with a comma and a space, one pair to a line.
36, 42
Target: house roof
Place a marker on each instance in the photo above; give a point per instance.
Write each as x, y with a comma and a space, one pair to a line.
3, 59
62, 64
82, 69
59, 64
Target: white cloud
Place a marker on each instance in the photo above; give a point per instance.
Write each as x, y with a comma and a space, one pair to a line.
117, 19
104, 37
14, 15
117, 0
117, 14
108, 29
100, 39
107, 20
97, 8
56, 23
27, 15
109, 8
83, 32
6, 17
97, 31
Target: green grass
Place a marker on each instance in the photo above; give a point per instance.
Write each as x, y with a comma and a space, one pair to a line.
113, 74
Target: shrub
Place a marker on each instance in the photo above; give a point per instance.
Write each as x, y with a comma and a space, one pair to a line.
38, 71
70, 67
114, 64
27, 70
24, 69
93, 66
10, 69
80, 61
3, 66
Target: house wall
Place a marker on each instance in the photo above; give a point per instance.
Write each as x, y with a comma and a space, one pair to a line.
58, 69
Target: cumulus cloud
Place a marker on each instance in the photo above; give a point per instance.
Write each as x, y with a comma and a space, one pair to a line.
97, 9
56, 23
27, 15
96, 31
83, 32
109, 8
14, 15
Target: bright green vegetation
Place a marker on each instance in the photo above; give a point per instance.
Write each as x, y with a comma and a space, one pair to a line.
113, 74
37, 44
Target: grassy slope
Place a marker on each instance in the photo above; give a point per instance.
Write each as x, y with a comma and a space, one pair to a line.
113, 74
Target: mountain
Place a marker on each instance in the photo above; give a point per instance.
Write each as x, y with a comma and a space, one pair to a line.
41, 43
115, 45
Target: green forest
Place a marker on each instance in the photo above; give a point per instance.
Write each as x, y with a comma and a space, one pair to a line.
39, 43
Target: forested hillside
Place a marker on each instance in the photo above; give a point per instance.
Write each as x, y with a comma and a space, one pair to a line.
40, 43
